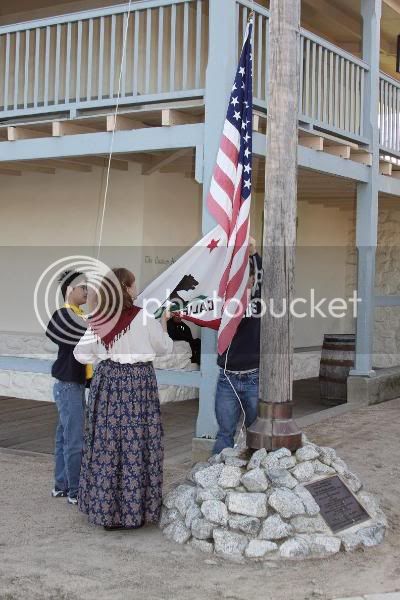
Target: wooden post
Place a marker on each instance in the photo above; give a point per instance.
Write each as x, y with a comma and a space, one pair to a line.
274, 427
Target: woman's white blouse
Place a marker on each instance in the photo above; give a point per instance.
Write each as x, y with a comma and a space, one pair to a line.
142, 342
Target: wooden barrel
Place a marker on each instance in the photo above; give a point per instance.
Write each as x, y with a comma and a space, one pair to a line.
337, 358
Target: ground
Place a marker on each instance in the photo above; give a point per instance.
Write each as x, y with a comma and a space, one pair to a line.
48, 550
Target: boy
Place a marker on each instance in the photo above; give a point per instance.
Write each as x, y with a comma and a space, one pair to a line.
65, 329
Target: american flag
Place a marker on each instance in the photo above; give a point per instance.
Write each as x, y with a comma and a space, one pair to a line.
230, 194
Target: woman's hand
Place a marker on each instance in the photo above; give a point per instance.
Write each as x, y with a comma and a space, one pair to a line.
164, 318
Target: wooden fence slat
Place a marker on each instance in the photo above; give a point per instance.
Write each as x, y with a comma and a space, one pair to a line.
57, 65
89, 61
37, 68
101, 59
198, 43
135, 67
26, 69
185, 45
160, 49
16, 69
47, 66
148, 52
112, 57
173, 49
68, 65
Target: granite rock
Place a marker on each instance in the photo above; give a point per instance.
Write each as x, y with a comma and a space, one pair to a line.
311, 507
327, 455
215, 511
185, 499
321, 468
197, 467
193, 512
371, 505
177, 532
294, 548
304, 471
281, 478
309, 524
366, 536
234, 461
256, 459
229, 477
212, 493
168, 516
352, 481
321, 544
307, 452
287, 462
249, 504
228, 543
286, 503
255, 480
274, 528
208, 478
202, 545
248, 525
202, 529
259, 548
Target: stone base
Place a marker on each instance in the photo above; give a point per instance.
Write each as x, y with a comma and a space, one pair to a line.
384, 385
239, 505
201, 449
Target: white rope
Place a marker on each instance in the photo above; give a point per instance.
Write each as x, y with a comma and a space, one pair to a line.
107, 184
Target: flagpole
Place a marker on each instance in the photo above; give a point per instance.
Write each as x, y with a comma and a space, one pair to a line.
275, 427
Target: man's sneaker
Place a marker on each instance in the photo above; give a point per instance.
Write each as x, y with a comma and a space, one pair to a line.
58, 493
72, 500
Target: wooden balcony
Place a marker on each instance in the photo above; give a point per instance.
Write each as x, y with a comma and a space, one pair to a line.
71, 65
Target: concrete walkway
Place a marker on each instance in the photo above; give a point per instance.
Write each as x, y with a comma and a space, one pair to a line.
387, 596
48, 551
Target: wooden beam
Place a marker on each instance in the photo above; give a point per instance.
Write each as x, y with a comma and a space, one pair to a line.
315, 142
338, 150
170, 117
162, 162
61, 128
32, 167
9, 172
68, 165
100, 161
362, 157
123, 123
15, 133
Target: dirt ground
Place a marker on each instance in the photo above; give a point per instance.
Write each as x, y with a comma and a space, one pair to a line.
48, 550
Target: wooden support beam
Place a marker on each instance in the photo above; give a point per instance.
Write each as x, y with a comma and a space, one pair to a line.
15, 133
101, 161
165, 160
32, 167
362, 157
385, 167
338, 150
123, 123
171, 116
68, 165
9, 172
61, 128
315, 142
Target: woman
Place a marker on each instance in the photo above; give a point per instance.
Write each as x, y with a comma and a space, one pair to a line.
121, 477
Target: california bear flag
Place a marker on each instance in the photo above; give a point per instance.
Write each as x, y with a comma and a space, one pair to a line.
208, 284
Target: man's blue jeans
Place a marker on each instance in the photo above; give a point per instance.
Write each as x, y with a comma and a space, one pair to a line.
70, 400
227, 406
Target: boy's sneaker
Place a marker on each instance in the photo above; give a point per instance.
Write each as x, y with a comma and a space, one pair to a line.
56, 493
72, 500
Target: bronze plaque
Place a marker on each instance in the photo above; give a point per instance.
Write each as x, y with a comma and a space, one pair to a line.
338, 506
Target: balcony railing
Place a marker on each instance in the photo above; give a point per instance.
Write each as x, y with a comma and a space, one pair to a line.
73, 62
389, 115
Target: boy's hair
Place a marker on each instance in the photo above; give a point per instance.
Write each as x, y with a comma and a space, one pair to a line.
67, 278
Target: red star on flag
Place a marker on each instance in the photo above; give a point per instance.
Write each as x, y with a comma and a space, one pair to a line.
212, 245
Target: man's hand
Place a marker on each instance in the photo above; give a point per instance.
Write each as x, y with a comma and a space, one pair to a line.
252, 246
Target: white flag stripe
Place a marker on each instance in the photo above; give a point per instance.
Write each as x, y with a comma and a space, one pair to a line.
226, 165
232, 134
221, 198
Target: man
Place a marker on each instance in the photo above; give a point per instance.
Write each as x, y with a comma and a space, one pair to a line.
237, 387
65, 329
